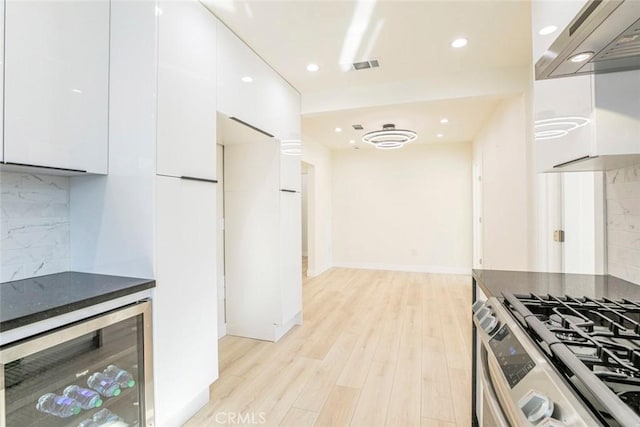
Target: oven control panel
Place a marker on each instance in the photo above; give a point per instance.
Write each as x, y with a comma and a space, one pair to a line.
512, 357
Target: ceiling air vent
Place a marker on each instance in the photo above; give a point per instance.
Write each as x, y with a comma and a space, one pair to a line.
363, 65
357, 127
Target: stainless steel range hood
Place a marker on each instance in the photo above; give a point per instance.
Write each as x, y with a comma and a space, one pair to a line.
608, 30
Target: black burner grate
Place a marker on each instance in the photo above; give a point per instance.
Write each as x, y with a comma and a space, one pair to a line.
604, 335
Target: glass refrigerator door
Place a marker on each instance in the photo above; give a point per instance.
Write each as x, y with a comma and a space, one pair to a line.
89, 374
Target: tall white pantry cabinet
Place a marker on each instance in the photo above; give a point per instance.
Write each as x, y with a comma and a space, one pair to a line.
196, 54
185, 306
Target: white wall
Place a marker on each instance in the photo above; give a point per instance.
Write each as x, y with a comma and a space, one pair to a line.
112, 217
319, 182
34, 225
502, 150
406, 209
623, 223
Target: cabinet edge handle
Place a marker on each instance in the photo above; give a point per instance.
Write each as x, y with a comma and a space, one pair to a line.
44, 167
235, 119
288, 191
579, 159
193, 178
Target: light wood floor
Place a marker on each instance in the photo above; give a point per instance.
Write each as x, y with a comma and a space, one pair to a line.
377, 348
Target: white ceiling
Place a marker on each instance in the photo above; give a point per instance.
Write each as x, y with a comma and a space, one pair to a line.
410, 38
466, 116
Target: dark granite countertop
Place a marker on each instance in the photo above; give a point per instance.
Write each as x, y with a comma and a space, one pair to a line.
494, 282
27, 301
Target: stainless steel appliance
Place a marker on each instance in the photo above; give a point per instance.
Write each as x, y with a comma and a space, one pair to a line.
95, 372
606, 31
534, 367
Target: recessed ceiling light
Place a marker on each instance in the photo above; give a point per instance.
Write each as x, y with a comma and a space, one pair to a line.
338, 129
313, 67
549, 29
444, 120
460, 42
440, 135
352, 141
581, 57
247, 79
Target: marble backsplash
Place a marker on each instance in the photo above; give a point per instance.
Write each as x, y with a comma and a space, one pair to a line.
34, 225
623, 223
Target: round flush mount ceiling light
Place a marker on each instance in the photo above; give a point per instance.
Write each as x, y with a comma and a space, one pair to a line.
338, 130
558, 127
444, 120
247, 79
440, 135
581, 57
459, 42
313, 67
549, 29
389, 137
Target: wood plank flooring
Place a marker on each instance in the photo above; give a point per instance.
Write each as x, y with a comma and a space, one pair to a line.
377, 348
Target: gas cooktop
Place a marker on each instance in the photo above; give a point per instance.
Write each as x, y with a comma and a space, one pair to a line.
592, 343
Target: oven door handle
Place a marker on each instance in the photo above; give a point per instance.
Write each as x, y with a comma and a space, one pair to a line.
491, 397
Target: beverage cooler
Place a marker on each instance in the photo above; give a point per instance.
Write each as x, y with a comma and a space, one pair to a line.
96, 372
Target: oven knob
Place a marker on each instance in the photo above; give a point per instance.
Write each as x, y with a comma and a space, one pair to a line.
489, 323
482, 313
477, 306
536, 406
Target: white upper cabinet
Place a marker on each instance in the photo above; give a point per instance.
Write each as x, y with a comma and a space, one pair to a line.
586, 122
564, 120
251, 91
56, 84
186, 90
245, 86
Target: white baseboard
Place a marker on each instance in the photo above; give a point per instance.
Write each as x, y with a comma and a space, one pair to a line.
317, 271
411, 268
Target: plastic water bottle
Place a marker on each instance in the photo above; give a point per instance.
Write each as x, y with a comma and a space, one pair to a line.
105, 416
60, 406
88, 423
88, 399
103, 385
120, 376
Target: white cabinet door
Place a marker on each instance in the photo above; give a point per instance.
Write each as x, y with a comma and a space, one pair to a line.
251, 262
56, 84
186, 90
617, 111
290, 255
290, 178
247, 86
560, 105
185, 319
285, 111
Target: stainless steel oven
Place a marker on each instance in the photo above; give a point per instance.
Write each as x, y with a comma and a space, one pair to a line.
95, 372
516, 384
